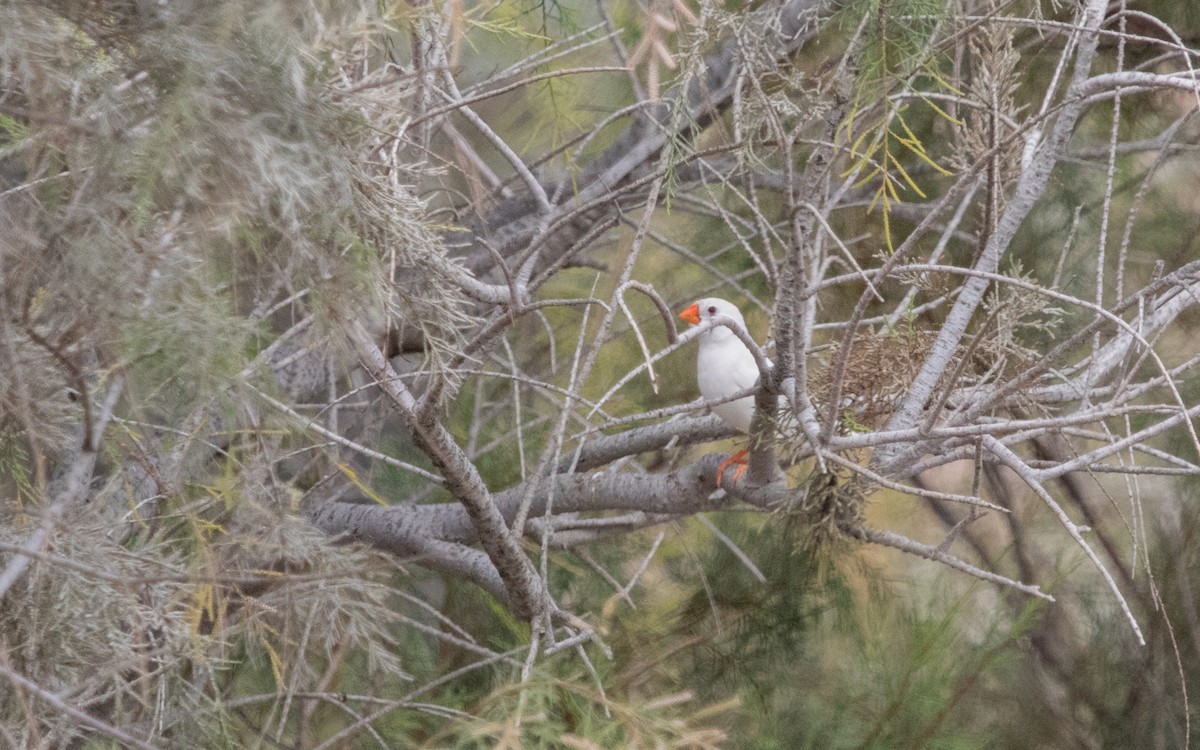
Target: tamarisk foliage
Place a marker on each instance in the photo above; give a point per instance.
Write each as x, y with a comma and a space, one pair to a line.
343, 403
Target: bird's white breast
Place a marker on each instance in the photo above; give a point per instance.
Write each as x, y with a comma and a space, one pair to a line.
725, 366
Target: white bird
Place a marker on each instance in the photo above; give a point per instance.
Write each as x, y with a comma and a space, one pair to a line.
724, 366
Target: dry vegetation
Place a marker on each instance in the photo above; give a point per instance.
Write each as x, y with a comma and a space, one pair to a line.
342, 401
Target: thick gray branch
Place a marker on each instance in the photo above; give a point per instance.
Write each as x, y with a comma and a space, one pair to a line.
1029, 189
605, 449
522, 583
686, 491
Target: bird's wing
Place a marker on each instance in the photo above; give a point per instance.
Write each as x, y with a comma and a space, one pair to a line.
725, 367
743, 370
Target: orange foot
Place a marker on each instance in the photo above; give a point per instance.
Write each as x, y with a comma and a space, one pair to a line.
738, 458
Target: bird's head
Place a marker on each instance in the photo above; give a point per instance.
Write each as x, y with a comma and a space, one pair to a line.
710, 307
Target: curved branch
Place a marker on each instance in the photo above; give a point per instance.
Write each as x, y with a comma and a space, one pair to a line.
525, 589
513, 223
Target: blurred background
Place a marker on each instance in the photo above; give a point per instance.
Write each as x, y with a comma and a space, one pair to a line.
196, 197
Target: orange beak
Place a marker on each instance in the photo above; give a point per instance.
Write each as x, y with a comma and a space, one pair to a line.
692, 314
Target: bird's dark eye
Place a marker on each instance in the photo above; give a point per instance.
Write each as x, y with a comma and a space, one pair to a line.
712, 310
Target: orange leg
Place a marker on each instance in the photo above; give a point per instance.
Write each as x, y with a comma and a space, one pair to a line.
738, 458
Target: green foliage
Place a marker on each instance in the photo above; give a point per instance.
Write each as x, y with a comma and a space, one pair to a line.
552, 15
180, 189
876, 147
894, 49
896, 38
750, 633
185, 311
565, 713
173, 176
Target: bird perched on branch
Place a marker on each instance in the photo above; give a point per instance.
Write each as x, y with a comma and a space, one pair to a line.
724, 366
877, 371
